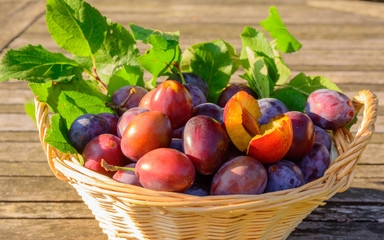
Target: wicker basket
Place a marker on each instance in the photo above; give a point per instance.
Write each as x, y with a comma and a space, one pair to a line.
130, 212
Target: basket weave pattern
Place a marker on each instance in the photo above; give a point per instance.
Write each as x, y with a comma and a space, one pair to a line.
130, 212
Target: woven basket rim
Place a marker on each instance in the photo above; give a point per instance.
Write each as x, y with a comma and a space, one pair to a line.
337, 178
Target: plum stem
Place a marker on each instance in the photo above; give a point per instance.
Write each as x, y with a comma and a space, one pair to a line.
121, 106
176, 65
96, 76
109, 167
131, 92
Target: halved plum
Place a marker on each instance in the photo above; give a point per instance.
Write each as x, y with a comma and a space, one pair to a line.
241, 114
274, 141
268, 143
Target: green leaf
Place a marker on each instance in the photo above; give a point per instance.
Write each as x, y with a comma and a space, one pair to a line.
118, 49
257, 42
258, 78
164, 55
57, 135
143, 34
236, 62
72, 105
160, 59
189, 52
282, 69
308, 84
36, 64
275, 26
128, 75
29, 108
293, 99
75, 26
212, 61
49, 92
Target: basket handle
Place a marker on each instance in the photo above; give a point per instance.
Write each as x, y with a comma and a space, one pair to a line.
43, 124
351, 147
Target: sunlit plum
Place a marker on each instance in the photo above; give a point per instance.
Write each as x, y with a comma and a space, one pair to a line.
165, 169
241, 175
146, 132
172, 99
329, 109
107, 147
284, 175
127, 117
303, 136
205, 143
315, 163
146, 100
85, 128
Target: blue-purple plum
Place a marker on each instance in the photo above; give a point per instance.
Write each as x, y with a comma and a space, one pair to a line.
284, 175
112, 119
322, 137
269, 108
315, 163
85, 128
209, 109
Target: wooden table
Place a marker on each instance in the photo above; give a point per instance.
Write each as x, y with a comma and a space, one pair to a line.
342, 40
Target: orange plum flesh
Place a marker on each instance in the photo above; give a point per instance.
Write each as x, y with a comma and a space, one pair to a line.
274, 141
241, 108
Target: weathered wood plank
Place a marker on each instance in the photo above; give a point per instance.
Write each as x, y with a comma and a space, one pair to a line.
36, 189
362, 8
25, 169
22, 151
339, 231
48, 229
25, 136
16, 122
45, 210
362, 191
347, 213
14, 21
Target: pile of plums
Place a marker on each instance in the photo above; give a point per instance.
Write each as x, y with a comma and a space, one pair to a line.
172, 139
